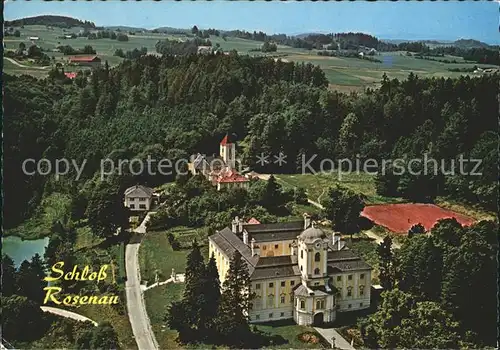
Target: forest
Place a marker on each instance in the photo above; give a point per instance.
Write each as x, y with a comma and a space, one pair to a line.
50, 20
171, 107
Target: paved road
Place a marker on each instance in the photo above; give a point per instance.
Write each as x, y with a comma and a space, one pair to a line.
66, 313
139, 320
24, 66
329, 333
180, 277
378, 239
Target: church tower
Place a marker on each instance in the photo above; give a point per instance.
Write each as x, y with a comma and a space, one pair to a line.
228, 151
313, 257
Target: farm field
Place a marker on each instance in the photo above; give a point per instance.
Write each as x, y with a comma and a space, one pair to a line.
344, 74
401, 217
316, 185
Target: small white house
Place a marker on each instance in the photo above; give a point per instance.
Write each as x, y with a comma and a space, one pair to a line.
34, 38
139, 198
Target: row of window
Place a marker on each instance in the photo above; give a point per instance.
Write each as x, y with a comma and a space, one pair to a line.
320, 304
361, 291
141, 199
349, 277
141, 206
349, 306
271, 315
271, 284
257, 303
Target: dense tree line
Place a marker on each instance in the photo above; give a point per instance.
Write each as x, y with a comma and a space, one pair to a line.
316, 41
170, 107
68, 50
175, 47
22, 319
354, 40
440, 289
483, 55
195, 202
50, 20
104, 34
131, 54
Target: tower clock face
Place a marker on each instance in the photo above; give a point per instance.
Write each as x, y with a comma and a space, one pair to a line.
317, 245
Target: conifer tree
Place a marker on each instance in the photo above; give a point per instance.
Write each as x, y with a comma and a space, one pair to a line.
8, 276
212, 296
185, 315
232, 321
386, 263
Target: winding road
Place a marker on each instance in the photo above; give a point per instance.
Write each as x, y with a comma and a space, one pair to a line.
67, 314
139, 320
13, 61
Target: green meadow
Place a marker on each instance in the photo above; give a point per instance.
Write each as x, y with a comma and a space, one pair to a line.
345, 74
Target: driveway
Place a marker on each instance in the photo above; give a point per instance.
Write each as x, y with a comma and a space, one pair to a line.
24, 66
378, 239
139, 320
67, 314
329, 334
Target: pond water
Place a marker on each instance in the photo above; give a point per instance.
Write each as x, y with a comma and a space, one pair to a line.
20, 250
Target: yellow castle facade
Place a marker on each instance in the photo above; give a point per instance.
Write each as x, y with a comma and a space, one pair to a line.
296, 270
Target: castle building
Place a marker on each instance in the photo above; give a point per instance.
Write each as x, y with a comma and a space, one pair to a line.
296, 270
220, 170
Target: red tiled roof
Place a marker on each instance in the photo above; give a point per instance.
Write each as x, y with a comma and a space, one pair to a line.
227, 140
70, 75
231, 176
253, 221
224, 141
82, 58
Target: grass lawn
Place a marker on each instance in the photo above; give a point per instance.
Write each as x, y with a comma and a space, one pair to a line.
53, 208
343, 73
157, 301
156, 253
471, 211
316, 185
284, 335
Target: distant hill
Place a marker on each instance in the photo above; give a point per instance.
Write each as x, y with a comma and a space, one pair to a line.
170, 30
50, 20
125, 28
470, 44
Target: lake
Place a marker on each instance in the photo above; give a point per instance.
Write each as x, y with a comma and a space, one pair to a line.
20, 250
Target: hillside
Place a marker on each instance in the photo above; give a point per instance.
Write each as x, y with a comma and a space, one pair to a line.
125, 28
50, 20
470, 44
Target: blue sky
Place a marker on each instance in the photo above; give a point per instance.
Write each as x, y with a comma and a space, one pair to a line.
389, 20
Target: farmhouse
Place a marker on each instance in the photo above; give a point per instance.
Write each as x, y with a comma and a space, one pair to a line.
220, 170
70, 75
138, 197
204, 50
87, 61
296, 270
33, 38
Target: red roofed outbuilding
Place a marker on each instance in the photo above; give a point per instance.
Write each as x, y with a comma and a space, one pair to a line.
253, 221
231, 179
70, 75
88, 61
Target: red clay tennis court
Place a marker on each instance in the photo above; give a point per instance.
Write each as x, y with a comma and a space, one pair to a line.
401, 217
